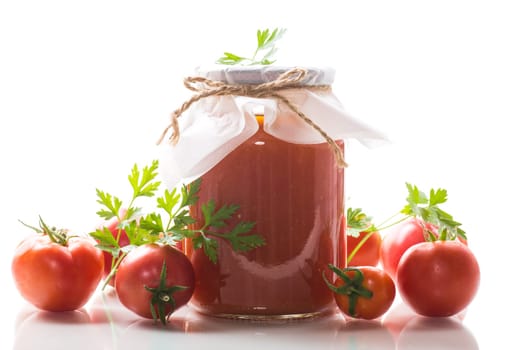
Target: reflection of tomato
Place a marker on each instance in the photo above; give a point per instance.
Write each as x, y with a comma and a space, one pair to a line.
55, 272
363, 334
105, 307
431, 333
155, 277
368, 253
401, 314
438, 278
397, 240
397, 318
38, 329
363, 292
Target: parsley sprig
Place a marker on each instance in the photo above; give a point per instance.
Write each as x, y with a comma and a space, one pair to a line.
357, 221
264, 53
424, 207
172, 222
427, 209
216, 219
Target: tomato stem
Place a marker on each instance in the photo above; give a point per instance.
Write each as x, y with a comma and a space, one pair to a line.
162, 304
359, 245
385, 222
352, 287
58, 236
114, 268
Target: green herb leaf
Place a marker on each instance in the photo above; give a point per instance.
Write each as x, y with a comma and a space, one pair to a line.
357, 221
217, 218
189, 193
106, 241
230, 59
208, 244
241, 242
152, 223
266, 49
111, 205
142, 182
428, 210
169, 200
138, 235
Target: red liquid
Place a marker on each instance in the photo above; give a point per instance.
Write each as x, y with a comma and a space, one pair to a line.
295, 195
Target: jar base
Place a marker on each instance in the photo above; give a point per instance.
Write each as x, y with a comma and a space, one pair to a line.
266, 317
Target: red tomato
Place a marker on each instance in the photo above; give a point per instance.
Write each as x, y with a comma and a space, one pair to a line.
365, 292
368, 254
438, 278
397, 240
155, 276
123, 240
57, 276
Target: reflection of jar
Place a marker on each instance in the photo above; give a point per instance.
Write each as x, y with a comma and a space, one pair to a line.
284, 177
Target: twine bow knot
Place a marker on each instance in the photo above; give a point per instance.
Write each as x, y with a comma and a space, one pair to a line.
291, 79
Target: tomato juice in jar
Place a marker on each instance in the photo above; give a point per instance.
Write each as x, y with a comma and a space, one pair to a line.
285, 178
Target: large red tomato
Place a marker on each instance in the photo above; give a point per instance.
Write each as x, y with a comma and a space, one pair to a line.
398, 239
154, 280
56, 272
438, 278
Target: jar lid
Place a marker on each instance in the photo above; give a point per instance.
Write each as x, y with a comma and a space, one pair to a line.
253, 75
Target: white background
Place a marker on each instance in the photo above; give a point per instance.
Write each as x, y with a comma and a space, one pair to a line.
86, 88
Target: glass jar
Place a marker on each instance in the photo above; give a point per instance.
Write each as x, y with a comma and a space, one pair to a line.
284, 177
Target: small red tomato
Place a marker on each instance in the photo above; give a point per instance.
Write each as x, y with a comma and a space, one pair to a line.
368, 253
438, 278
365, 292
55, 271
154, 280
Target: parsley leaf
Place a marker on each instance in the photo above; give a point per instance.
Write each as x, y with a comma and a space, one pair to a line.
142, 182
357, 221
266, 49
173, 222
215, 219
111, 205
427, 209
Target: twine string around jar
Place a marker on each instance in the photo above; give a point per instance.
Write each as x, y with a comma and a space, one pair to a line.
290, 79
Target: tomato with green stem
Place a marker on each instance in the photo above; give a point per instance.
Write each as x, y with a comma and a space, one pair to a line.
364, 292
439, 277
154, 280
56, 271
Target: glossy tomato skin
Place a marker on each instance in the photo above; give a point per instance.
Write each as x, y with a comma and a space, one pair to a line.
382, 287
397, 240
438, 279
54, 277
369, 253
142, 267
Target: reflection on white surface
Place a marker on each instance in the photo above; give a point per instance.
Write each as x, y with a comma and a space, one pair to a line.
359, 334
437, 333
105, 324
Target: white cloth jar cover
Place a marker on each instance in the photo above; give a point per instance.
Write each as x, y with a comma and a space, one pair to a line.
214, 126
